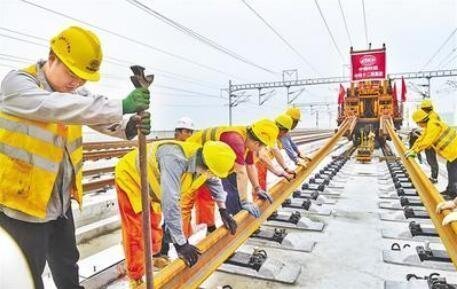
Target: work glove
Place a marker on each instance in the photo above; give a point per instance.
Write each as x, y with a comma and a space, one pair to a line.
136, 122
287, 176
452, 217
410, 154
447, 205
264, 195
302, 163
189, 253
136, 101
252, 208
290, 172
228, 221
303, 157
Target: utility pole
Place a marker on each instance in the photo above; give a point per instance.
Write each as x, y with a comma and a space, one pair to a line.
429, 87
230, 102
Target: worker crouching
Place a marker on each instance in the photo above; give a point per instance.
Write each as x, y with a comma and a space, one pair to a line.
175, 171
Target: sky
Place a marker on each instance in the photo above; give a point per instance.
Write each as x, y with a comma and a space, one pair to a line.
190, 75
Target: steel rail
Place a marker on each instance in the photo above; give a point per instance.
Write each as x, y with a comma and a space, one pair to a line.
428, 194
106, 182
105, 145
220, 244
99, 150
98, 171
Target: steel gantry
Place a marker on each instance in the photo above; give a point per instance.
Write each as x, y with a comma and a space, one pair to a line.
235, 99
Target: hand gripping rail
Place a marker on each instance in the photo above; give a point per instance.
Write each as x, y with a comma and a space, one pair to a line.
428, 194
220, 245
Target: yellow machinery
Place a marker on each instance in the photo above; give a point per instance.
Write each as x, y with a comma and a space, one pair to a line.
366, 147
369, 101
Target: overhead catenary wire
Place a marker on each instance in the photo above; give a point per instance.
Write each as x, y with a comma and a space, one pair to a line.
345, 22
451, 60
444, 59
365, 25
197, 36
132, 40
115, 61
281, 37
25, 60
329, 31
440, 48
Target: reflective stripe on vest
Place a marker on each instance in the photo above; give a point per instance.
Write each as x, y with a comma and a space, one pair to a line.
449, 135
31, 153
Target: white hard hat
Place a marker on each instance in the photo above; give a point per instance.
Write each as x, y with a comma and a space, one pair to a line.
185, 122
15, 272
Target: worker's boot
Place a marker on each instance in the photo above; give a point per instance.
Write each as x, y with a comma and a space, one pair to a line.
433, 180
135, 284
160, 261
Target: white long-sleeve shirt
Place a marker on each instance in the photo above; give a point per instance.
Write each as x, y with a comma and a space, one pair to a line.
26, 96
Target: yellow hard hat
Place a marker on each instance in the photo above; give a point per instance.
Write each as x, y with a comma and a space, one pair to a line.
80, 51
266, 131
219, 158
420, 115
427, 103
294, 113
285, 121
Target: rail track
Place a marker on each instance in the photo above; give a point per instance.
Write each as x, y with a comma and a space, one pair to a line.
97, 151
341, 216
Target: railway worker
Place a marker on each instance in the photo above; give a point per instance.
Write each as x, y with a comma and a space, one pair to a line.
244, 141
175, 170
288, 144
41, 112
184, 128
265, 156
430, 154
443, 139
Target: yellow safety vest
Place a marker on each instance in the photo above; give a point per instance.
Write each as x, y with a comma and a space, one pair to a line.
214, 133
446, 143
128, 178
30, 156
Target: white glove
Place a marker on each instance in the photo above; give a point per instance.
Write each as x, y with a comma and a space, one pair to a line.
452, 217
448, 205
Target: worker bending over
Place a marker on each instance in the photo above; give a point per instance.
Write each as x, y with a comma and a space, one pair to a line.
288, 144
443, 139
42, 110
266, 155
175, 171
244, 141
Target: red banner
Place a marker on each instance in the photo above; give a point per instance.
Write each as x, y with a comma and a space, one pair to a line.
369, 64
